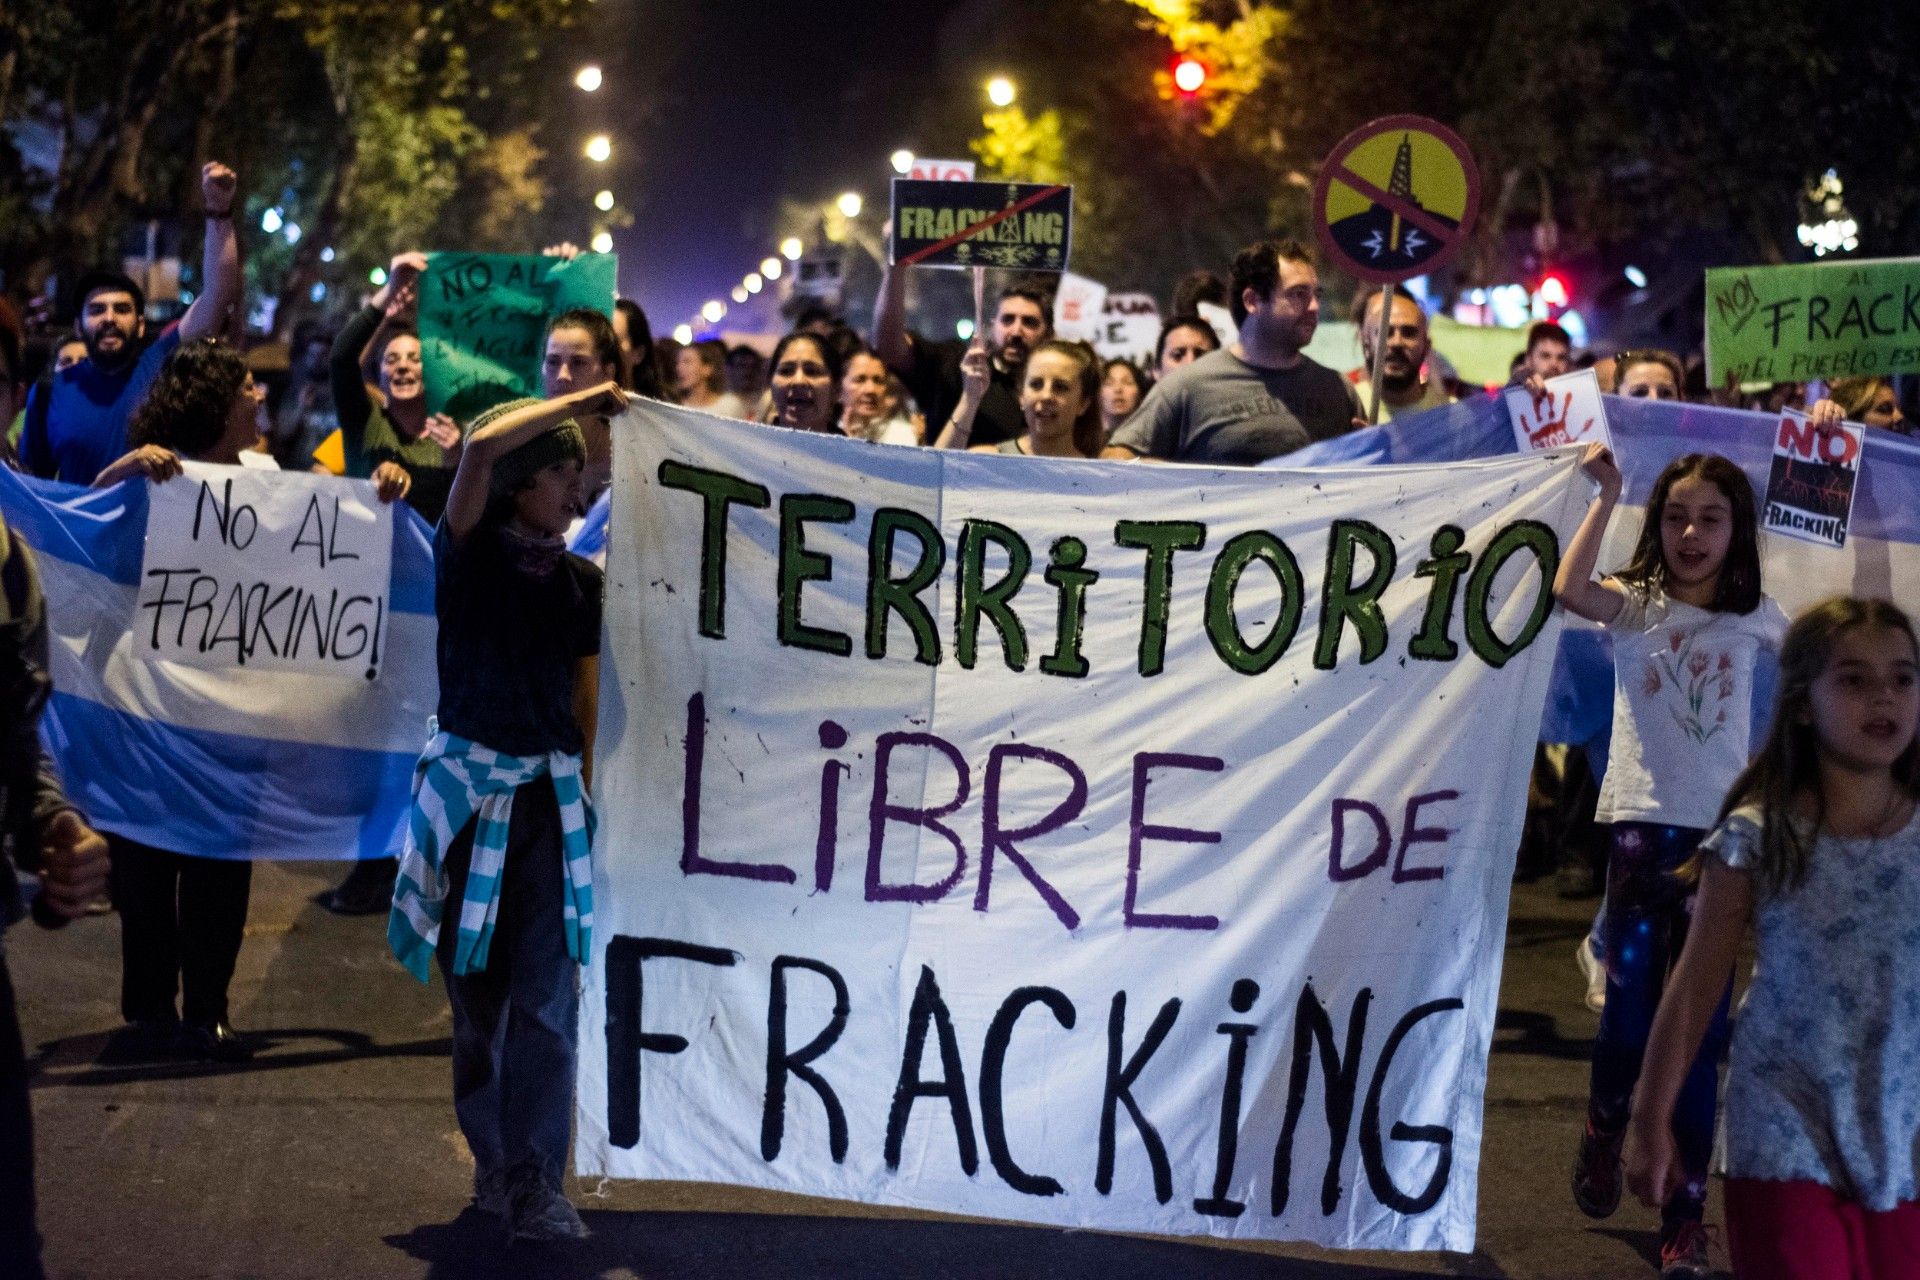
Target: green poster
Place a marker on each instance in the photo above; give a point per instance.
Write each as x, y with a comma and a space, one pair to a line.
483, 317
1810, 320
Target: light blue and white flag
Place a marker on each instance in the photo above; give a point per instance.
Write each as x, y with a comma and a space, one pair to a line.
231, 763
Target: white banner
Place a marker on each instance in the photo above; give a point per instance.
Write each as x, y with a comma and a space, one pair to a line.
1105, 845
269, 569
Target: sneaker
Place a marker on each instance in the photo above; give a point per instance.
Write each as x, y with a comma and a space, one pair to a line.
1596, 1172
1595, 973
1683, 1251
490, 1192
541, 1213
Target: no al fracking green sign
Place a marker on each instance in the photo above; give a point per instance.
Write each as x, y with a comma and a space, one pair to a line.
1813, 320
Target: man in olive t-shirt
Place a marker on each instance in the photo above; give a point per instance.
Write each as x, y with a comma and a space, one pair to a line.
1259, 397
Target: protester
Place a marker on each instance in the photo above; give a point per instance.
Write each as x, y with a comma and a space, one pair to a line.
636, 348
700, 380
583, 351
1648, 375
1182, 340
1122, 388
1262, 396
1022, 319
80, 426
1404, 385
1203, 295
50, 842
746, 375
182, 916
1687, 618
1059, 403
69, 353
496, 880
1548, 354
1870, 402
805, 383
866, 408
1818, 847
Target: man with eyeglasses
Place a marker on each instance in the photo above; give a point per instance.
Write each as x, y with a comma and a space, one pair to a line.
1259, 397
77, 423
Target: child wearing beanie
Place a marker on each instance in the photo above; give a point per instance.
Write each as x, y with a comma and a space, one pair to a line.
496, 882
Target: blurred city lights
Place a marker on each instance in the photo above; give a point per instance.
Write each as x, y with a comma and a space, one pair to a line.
1000, 91
849, 204
326, 254
902, 161
753, 282
271, 221
378, 275
1636, 277
1188, 75
790, 248
604, 201
1553, 291
770, 268
599, 148
739, 294
603, 242
964, 328
588, 78
292, 232
683, 334
713, 311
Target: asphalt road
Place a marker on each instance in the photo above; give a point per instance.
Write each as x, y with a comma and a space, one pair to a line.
335, 1152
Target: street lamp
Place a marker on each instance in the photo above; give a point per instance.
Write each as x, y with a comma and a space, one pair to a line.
770, 268
604, 201
603, 242
1000, 91
683, 334
790, 248
588, 78
1189, 74
713, 311
902, 161
739, 294
599, 148
849, 204
753, 282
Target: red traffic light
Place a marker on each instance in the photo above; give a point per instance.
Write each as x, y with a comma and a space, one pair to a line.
1189, 75
1553, 291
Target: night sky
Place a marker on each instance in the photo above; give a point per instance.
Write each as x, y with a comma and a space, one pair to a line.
720, 110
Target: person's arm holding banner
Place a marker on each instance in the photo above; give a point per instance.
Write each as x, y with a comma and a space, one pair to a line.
220, 256
156, 462
467, 503
891, 341
976, 371
1574, 585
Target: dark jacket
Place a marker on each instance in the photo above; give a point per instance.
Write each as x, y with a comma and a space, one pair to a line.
30, 792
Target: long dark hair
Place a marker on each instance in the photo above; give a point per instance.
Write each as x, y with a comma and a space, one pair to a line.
644, 375
187, 409
1787, 769
1088, 434
1738, 590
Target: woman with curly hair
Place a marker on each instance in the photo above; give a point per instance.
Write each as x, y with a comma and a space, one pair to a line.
182, 916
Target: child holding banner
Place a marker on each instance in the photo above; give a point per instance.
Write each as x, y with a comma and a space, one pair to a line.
182, 917
1687, 618
500, 825
1818, 845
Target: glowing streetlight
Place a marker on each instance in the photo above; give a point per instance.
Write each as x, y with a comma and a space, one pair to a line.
753, 283
739, 294
849, 204
770, 268
603, 242
713, 311
902, 161
790, 248
683, 334
1000, 91
378, 276
599, 148
1189, 74
604, 201
588, 78
271, 221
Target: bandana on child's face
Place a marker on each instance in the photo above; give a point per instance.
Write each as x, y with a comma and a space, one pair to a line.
530, 554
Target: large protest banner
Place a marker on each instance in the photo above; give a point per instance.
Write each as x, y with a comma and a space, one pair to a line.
227, 761
483, 315
266, 569
1090, 844
1808, 320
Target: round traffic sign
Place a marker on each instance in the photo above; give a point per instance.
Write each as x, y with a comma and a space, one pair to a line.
1396, 199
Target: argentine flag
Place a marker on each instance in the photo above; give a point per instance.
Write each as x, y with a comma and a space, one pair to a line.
231, 763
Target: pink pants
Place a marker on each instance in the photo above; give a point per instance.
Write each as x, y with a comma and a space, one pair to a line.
1804, 1231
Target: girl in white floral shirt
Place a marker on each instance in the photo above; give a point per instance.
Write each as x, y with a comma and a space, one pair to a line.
1688, 620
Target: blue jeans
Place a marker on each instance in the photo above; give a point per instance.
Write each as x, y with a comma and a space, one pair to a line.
515, 1023
1647, 911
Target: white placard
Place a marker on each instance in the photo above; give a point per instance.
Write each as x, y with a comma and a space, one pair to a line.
1117, 846
1572, 412
276, 570
1077, 308
1811, 482
1129, 328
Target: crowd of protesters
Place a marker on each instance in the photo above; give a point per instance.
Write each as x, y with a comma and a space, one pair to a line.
1230, 383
